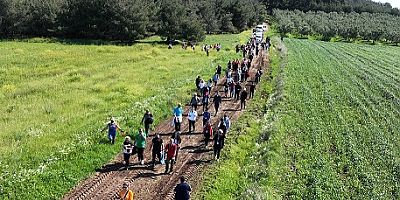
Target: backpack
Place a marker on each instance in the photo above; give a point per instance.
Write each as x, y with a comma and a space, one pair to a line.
149, 120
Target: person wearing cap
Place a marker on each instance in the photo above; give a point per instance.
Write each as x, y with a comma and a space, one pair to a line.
182, 190
140, 144
126, 193
170, 151
112, 127
243, 98
127, 147
178, 117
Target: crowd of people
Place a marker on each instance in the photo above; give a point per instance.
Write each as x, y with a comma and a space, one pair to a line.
215, 131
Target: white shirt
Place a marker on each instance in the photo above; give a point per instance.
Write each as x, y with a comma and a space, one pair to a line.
192, 115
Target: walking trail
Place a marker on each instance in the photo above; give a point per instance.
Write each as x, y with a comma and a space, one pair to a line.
148, 183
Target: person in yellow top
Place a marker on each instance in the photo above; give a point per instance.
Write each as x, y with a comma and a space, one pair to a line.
126, 193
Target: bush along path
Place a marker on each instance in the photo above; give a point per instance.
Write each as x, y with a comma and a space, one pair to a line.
149, 183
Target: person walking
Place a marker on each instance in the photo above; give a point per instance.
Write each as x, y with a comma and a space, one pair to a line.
219, 69
238, 88
215, 78
206, 117
194, 101
198, 79
147, 119
176, 136
232, 87
227, 122
226, 89
205, 101
140, 144
127, 147
243, 99
182, 190
178, 117
208, 133
217, 102
170, 152
252, 90
192, 116
126, 193
112, 127
218, 142
157, 149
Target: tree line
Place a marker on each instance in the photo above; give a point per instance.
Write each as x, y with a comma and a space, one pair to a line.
348, 6
127, 20
367, 26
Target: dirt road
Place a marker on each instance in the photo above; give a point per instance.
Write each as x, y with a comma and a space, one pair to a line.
148, 183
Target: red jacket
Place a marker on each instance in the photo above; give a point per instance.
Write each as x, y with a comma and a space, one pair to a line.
170, 150
209, 129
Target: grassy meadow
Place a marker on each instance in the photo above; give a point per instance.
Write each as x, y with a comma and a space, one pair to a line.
333, 134
56, 97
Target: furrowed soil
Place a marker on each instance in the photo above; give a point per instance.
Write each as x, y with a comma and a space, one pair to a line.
149, 183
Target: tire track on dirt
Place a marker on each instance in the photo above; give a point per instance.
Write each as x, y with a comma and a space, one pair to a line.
148, 183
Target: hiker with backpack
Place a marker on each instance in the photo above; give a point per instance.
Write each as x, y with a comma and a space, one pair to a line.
112, 127
218, 143
208, 133
156, 149
140, 144
147, 119
170, 152
192, 116
126, 193
178, 117
217, 102
127, 147
194, 101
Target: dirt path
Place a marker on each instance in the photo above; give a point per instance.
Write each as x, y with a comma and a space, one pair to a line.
150, 183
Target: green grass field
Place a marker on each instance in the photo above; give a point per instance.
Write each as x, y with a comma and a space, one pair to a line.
55, 98
335, 134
